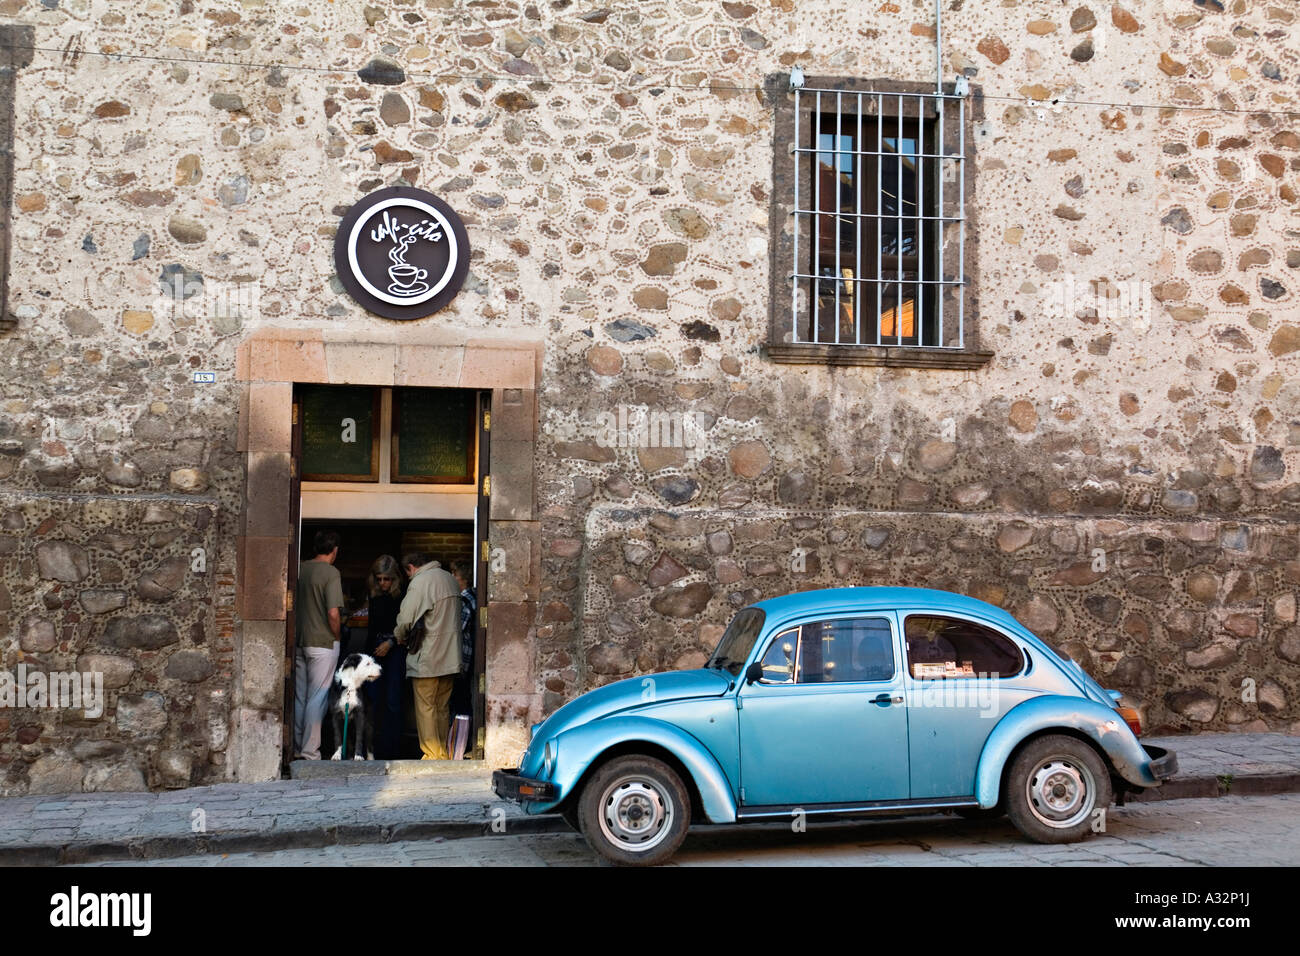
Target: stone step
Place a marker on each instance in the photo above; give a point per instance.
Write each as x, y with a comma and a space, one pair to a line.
318, 769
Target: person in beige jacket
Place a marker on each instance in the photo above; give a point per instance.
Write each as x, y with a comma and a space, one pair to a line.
433, 595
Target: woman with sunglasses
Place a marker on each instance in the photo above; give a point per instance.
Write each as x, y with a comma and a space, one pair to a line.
385, 586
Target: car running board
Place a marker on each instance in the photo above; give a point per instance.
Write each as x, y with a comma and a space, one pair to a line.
851, 809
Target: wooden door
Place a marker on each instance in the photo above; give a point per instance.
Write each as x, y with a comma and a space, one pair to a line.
291, 582
482, 554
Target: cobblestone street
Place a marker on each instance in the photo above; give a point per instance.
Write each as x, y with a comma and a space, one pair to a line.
1228, 831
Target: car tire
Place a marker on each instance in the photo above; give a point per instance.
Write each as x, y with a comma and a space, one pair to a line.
634, 811
1054, 789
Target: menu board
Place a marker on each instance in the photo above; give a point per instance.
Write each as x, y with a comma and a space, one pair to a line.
433, 435
340, 441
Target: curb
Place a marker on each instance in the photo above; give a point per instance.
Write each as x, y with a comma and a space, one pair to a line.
245, 841
1224, 785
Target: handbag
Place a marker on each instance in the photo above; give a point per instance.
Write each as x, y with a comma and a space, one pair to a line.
415, 637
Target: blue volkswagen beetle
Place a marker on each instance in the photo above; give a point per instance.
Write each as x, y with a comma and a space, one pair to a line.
841, 703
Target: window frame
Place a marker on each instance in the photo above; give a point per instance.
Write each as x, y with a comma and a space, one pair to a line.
904, 616
394, 431
868, 145
385, 437
787, 229
797, 626
376, 428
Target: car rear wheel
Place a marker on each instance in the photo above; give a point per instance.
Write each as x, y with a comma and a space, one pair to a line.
635, 811
1055, 789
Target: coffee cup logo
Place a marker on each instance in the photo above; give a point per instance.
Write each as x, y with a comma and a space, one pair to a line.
402, 253
407, 280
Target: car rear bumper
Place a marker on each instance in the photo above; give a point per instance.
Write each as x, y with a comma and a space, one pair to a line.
1164, 763
509, 785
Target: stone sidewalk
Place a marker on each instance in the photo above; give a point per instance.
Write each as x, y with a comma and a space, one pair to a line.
348, 804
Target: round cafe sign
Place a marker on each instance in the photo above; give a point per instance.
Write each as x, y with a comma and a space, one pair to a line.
402, 253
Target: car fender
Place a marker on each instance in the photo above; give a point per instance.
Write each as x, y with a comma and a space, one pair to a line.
1099, 723
577, 749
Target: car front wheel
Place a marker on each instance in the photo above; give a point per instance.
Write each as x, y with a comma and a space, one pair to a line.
1057, 790
635, 811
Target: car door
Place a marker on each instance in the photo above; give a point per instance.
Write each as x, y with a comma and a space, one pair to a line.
962, 677
826, 723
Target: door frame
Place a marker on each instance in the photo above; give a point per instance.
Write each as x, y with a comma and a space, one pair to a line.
482, 461
268, 363
482, 558
291, 576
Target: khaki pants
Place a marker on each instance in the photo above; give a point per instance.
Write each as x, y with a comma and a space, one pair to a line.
432, 695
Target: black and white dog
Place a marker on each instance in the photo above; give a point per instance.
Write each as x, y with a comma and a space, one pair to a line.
345, 695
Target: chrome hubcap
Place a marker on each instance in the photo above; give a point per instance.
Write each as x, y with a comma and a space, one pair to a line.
1061, 792
635, 814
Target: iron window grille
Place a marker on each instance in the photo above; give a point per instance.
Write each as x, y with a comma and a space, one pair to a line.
879, 220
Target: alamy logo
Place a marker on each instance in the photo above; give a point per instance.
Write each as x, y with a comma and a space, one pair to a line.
191, 297
57, 690
945, 685
1108, 300
74, 909
635, 426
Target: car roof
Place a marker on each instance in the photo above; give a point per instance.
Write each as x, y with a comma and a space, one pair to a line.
835, 600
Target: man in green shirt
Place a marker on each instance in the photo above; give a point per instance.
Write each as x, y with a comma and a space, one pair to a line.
318, 622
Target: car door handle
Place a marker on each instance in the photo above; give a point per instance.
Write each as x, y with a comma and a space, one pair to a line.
887, 699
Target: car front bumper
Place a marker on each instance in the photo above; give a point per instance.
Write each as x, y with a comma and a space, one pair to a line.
1164, 763
509, 785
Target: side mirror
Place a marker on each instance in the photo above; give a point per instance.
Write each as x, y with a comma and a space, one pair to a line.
753, 672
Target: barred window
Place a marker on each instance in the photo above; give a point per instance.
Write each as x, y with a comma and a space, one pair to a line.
873, 243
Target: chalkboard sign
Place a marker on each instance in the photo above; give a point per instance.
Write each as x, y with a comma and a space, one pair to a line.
340, 433
433, 435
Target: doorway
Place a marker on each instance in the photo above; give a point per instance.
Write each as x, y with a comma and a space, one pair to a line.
394, 471
361, 543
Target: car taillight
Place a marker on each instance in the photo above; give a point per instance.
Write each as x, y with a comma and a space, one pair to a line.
1132, 719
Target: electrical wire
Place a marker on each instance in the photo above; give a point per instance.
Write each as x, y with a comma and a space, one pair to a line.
513, 78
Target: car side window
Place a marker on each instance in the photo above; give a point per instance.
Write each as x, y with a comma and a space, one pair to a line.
940, 648
834, 651
779, 661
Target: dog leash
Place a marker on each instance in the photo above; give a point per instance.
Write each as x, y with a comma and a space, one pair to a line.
346, 708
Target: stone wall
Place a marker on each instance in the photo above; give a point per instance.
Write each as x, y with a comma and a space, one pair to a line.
613, 163
130, 590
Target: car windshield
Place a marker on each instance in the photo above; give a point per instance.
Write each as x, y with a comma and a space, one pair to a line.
733, 650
